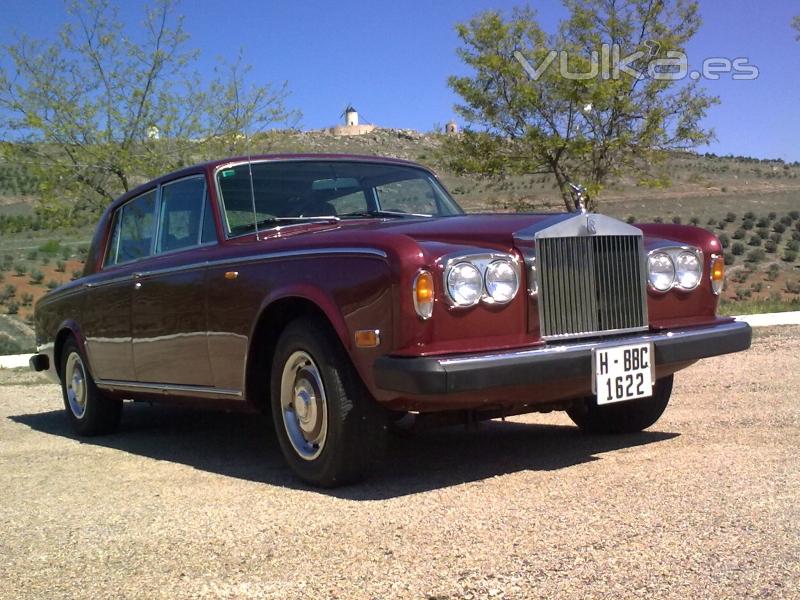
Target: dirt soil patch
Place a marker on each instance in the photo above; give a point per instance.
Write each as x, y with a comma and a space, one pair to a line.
184, 504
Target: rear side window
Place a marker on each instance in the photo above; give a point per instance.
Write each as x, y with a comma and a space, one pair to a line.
134, 227
185, 217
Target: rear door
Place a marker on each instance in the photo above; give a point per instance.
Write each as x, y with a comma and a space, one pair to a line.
169, 327
107, 326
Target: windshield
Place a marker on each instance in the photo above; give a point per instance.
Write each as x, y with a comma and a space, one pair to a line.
307, 190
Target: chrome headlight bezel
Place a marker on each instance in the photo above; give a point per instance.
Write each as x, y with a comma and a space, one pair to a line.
481, 262
453, 272
674, 254
490, 277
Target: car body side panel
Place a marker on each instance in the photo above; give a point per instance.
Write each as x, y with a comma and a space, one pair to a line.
352, 291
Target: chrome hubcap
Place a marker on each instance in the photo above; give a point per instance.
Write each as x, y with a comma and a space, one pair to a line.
303, 405
75, 378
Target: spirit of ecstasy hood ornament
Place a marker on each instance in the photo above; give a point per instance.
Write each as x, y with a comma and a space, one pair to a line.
579, 197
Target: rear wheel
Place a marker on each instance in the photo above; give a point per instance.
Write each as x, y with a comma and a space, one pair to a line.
623, 417
329, 428
87, 409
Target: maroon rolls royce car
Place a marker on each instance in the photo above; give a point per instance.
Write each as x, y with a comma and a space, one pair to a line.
339, 293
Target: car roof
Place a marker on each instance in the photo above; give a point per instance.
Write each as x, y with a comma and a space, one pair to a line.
211, 165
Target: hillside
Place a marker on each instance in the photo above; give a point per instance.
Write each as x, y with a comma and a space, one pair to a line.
753, 205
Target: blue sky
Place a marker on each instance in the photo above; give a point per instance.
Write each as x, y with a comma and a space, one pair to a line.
392, 59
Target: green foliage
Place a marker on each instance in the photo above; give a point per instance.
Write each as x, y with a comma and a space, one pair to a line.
748, 224
756, 256
724, 240
749, 215
52, 284
790, 256
739, 234
737, 249
770, 246
779, 227
694, 221
37, 276
583, 130
9, 346
12, 308
755, 240
730, 217
793, 245
793, 287
50, 247
772, 272
45, 261
630, 220
762, 222
20, 269
32, 255
10, 290
795, 214
729, 258
26, 299
61, 266
109, 107
775, 237
676, 220
77, 274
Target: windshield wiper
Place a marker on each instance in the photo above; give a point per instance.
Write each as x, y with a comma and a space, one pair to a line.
380, 214
277, 220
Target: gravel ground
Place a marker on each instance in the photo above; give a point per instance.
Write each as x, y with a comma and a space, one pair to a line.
185, 504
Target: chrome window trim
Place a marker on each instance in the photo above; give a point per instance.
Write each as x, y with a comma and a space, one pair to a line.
157, 213
206, 200
672, 251
116, 222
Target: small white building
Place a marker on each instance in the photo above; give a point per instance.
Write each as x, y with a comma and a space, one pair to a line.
351, 125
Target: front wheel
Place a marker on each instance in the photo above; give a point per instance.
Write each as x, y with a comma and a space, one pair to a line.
87, 409
623, 417
329, 428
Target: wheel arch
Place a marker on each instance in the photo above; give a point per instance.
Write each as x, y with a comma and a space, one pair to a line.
68, 329
272, 320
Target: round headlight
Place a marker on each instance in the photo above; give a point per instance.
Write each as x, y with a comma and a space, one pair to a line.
661, 271
501, 281
464, 284
688, 270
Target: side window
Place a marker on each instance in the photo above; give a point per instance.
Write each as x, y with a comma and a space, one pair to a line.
408, 196
181, 214
349, 203
134, 226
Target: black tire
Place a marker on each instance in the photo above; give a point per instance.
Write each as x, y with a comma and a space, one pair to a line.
96, 414
624, 417
339, 447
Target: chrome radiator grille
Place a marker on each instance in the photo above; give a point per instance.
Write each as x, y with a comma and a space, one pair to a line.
590, 285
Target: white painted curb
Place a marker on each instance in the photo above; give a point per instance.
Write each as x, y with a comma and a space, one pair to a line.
770, 319
14, 361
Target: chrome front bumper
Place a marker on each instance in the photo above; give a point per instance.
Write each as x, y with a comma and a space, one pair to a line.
430, 375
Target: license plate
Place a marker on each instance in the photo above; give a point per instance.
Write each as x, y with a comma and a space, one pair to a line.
622, 373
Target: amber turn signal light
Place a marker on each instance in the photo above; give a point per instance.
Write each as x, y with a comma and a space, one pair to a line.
423, 294
368, 338
717, 273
